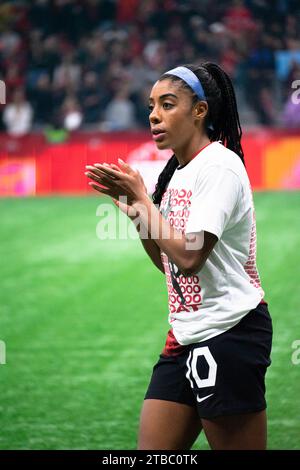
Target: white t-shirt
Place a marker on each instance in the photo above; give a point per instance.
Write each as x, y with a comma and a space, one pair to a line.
18, 118
212, 193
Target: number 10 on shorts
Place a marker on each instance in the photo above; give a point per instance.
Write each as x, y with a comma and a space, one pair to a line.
191, 364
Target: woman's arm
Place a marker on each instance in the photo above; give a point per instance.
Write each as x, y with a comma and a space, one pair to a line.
189, 252
153, 251
150, 246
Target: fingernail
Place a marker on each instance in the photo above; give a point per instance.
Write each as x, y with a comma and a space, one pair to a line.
120, 160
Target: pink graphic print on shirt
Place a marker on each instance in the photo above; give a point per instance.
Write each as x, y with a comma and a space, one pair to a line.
184, 292
250, 265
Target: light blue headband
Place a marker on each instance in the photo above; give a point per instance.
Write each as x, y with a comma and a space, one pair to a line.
192, 80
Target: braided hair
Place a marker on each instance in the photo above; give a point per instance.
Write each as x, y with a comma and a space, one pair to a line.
222, 114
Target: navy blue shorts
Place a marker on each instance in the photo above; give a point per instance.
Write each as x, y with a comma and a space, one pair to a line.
224, 375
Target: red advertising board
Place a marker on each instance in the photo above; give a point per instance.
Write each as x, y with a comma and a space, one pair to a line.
31, 165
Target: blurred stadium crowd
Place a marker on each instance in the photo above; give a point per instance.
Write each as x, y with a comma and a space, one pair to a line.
90, 64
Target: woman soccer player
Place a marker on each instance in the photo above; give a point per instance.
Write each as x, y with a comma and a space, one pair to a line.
211, 372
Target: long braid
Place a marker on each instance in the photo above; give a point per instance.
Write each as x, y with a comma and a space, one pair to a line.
222, 114
164, 178
228, 127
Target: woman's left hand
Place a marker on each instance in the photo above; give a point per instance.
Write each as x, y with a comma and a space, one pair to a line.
127, 182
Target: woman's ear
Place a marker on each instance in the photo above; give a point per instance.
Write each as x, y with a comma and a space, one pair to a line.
200, 110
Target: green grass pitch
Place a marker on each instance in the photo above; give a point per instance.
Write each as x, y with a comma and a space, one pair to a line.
84, 321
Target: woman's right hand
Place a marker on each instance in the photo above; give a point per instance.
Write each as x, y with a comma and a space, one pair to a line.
128, 210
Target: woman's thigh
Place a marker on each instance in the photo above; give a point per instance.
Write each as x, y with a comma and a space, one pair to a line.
168, 425
238, 432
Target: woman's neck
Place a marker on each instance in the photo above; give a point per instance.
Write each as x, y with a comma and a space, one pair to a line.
187, 152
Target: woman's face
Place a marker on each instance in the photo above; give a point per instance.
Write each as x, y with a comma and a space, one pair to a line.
173, 118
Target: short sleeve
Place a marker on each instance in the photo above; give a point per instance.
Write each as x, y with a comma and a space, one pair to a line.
216, 194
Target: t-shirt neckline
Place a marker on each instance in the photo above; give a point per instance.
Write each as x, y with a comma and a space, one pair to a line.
194, 156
